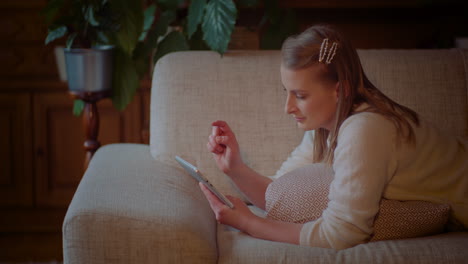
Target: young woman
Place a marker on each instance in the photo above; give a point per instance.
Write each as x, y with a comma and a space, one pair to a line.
377, 148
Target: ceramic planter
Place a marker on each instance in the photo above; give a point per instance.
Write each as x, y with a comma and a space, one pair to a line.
89, 70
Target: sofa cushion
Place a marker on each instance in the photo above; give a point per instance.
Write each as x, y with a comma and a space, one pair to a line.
302, 194
237, 247
405, 219
130, 208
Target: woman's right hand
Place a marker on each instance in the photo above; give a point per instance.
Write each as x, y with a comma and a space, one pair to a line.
223, 144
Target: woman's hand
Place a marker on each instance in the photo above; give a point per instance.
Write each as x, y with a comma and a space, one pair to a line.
239, 217
223, 144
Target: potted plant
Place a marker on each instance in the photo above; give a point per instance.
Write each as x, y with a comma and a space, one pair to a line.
101, 37
136, 37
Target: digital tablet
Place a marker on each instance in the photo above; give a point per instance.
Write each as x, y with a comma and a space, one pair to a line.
195, 173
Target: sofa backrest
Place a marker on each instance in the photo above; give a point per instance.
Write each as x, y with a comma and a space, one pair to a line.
192, 89
434, 83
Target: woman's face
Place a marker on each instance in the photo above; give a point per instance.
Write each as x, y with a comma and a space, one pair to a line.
310, 100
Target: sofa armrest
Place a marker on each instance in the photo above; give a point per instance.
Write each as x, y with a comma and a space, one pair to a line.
129, 208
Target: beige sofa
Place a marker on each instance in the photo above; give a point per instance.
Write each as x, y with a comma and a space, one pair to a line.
135, 205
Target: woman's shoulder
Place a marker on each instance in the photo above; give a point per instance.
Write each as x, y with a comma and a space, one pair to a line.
367, 122
366, 133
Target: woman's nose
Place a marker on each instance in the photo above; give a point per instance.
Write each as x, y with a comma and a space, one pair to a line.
290, 105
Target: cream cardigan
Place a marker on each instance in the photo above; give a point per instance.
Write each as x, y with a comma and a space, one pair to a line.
370, 164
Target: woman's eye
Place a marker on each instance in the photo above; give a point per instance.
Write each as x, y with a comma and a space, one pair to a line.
300, 96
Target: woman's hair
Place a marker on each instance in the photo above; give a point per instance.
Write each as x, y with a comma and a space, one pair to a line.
303, 51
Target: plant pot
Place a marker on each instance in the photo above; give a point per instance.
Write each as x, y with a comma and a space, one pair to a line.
60, 61
89, 70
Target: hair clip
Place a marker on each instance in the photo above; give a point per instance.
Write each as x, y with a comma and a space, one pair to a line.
331, 51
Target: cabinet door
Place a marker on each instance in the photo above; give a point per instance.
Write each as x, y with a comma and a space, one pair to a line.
59, 139
15, 151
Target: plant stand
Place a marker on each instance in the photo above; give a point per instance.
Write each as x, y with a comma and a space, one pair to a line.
90, 121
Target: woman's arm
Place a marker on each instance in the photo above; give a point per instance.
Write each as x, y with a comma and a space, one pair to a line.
365, 161
242, 218
223, 144
302, 155
273, 230
251, 183
254, 185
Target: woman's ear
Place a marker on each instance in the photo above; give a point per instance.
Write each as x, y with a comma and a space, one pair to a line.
337, 91
345, 88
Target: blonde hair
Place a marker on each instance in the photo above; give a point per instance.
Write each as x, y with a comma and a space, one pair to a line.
303, 50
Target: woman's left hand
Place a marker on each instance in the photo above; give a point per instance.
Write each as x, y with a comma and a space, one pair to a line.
239, 217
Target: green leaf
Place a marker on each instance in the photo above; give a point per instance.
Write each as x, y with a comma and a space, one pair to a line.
144, 50
174, 41
149, 17
141, 66
89, 16
131, 23
195, 15
196, 42
148, 21
160, 29
108, 18
124, 80
70, 40
55, 34
218, 24
78, 106
102, 38
167, 17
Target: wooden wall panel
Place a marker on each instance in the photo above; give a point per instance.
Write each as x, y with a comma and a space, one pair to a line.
32, 62
43, 247
22, 26
58, 150
22, 50
59, 141
118, 126
63, 145
15, 151
36, 4
6, 136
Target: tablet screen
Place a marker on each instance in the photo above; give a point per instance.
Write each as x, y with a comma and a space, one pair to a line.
195, 173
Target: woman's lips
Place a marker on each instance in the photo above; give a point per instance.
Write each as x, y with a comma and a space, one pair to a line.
299, 119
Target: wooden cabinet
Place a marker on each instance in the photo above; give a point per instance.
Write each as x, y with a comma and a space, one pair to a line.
42, 158
58, 153
58, 143
42, 145
16, 179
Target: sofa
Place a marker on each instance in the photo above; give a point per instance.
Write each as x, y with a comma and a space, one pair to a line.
135, 204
